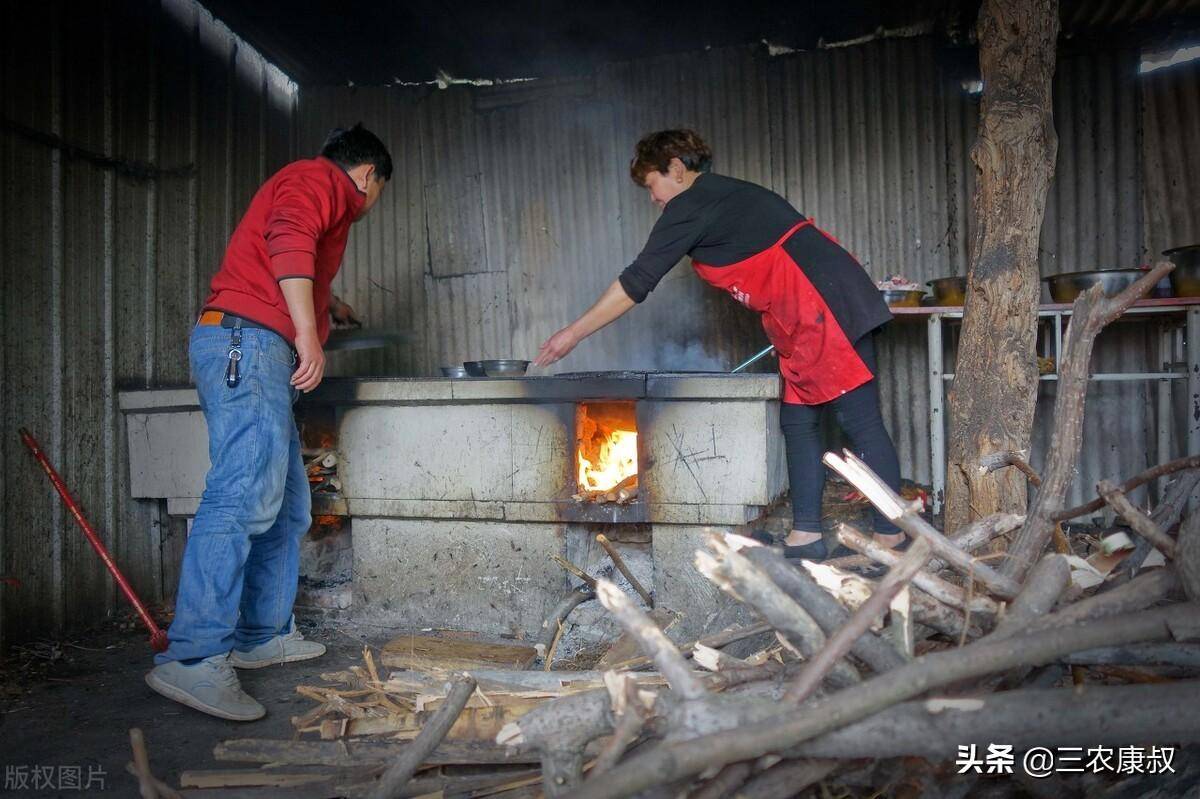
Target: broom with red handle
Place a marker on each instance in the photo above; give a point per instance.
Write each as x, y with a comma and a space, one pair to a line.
158, 638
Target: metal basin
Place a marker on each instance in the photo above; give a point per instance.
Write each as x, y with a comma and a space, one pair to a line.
474, 368
505, 367
1069, 285
1185, 277
948, 290
454, 371
903, 298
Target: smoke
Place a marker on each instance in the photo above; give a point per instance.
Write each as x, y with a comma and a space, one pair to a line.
674, 356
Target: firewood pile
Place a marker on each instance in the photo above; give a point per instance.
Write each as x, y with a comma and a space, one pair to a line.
622, 493
864, 684
321, 467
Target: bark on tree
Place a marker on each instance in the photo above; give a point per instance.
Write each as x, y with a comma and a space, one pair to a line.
996, 377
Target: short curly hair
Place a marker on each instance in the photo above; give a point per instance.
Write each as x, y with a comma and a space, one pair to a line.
655, 151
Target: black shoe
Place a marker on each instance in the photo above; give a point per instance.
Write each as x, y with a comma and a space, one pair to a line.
815, 551
762, 537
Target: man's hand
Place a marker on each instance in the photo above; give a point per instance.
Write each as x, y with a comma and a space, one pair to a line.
557, 347
311, 368
342, 314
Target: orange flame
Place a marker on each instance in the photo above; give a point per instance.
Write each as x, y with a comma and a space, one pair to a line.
617, 460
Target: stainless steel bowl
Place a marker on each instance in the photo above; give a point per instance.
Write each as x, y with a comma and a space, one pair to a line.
474, 368
903, 298
505, 367
1069, 285
948, 291
454, 371
1185, 277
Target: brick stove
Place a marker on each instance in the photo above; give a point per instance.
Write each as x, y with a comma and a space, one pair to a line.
460, 491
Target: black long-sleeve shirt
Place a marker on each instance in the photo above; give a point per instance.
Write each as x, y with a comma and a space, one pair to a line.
721, 220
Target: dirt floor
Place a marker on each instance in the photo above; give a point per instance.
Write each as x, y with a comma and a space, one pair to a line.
71, 703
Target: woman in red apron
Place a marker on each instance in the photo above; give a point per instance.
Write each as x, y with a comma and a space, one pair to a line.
818, 307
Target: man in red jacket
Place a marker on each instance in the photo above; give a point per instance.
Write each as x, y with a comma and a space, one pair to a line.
257, 345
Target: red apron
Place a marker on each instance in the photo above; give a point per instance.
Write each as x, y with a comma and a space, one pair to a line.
816, 360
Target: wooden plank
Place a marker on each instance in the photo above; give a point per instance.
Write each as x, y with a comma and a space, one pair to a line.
429, 652
474, 724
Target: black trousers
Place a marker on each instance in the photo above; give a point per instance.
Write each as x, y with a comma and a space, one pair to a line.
857, 413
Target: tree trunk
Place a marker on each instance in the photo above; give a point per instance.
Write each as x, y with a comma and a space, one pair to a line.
996, 377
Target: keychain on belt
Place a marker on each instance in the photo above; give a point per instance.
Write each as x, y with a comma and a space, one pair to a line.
232, 377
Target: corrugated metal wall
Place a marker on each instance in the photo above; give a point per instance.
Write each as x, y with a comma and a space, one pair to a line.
133, 135
528, 211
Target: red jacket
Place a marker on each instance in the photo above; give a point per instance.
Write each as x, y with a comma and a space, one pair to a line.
296, 226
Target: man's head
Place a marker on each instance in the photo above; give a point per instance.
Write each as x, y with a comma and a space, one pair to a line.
364, 157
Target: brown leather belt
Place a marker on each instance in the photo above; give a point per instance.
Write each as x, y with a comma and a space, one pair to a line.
227, 320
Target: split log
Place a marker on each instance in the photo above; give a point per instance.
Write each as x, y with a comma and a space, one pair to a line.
619, 562
1141, 524
1092, 715
737, 576
825, 610
1191, 462
1187, 556
842, 641
672, 760
1091, 313
936, 587
787, 779
401, 770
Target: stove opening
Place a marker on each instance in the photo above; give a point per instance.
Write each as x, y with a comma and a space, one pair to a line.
606, 452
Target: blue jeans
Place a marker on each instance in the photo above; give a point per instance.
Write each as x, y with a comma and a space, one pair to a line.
242, 559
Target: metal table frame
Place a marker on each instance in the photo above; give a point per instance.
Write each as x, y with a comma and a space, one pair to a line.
1179, 322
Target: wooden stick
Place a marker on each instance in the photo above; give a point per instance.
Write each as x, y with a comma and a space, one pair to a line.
1153, 473
1090, 314
674, 760
141, 762
917, 556
164, 791
1045, 585
630, 715
936, 587
1165, 514
652, 640
1142, 524
571, 568
787, 779
716, 641
401, 770
1187, 556
619, 562
969, 538
552, 625
726, 783
902, 515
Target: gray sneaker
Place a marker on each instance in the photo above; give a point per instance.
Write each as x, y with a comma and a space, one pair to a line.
280, 649
210, 686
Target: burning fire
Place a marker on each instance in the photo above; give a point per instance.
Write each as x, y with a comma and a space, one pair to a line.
616, 461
